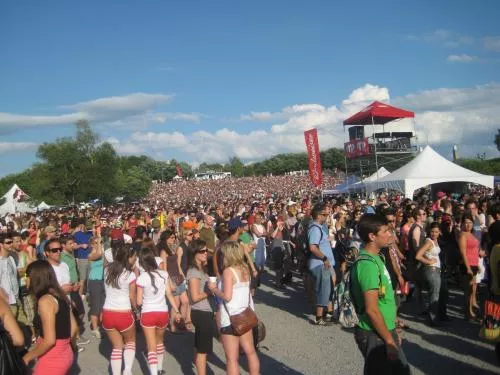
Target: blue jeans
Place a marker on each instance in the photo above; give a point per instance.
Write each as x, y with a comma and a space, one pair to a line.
432, 277
323, 285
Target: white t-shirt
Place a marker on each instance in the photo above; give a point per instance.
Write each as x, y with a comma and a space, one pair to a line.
108, 255
159, 261
62, 273
118, 298
152, 301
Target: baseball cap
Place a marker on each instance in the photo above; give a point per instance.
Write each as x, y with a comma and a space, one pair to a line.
234, 224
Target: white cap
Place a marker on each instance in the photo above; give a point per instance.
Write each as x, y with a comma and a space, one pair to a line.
363, 201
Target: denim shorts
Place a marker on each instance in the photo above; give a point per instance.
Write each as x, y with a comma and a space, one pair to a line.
179, 289
323, 285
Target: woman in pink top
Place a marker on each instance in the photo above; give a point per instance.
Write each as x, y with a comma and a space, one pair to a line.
470, 252
405, 230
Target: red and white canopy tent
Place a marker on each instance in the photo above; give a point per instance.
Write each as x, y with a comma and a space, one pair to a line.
377, 113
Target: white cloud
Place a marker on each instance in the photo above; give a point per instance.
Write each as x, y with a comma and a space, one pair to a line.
492, 43
468, 117
8, 147
115, 111
463, 58
447, 38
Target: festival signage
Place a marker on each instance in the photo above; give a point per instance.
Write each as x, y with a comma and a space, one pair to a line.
312, 145
356, 148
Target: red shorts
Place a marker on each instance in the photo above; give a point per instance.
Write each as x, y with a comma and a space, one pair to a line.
156, 319
119, 320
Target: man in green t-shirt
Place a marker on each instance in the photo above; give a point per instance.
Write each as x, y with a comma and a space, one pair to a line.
373, 297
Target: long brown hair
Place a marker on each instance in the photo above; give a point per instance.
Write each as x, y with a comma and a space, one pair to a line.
43, 280
121, 254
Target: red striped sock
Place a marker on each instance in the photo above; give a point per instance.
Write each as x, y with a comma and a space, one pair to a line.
116, 361
129, 355
153, 362
160, 350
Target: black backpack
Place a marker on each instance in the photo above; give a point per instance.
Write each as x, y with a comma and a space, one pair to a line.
304, 238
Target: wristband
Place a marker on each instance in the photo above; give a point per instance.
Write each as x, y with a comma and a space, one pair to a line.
324, 259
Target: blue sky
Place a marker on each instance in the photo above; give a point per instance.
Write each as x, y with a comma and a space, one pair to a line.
204, 81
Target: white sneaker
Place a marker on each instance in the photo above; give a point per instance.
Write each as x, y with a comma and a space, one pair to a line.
96, 333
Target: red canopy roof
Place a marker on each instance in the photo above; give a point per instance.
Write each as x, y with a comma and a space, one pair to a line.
378, 113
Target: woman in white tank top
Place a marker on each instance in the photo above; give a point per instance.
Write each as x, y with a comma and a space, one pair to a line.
235, 294
428, 255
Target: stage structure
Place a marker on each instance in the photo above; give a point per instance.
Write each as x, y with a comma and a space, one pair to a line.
388, 140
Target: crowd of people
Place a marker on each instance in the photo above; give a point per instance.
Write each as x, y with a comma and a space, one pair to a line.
190, 257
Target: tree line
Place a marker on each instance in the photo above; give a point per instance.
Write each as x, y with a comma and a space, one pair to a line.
82, 168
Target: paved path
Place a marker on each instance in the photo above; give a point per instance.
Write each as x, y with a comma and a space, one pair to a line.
295, 346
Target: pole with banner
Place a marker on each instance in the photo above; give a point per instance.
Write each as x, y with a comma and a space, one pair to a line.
312, 145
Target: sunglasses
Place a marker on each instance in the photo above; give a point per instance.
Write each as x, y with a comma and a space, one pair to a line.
204, 251
55, 250
189, 234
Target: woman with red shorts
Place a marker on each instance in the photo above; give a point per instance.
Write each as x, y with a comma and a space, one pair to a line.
117, 315
152, 287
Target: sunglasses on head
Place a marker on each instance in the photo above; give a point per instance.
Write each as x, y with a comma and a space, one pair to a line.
55, 249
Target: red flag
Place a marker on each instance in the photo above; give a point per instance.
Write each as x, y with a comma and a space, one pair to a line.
312, 145
179, 170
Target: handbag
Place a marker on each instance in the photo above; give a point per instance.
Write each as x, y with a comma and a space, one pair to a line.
243, 322
10, 360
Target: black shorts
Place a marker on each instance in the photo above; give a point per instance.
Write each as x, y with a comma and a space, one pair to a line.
204, 330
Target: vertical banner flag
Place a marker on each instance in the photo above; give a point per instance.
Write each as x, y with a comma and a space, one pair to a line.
312, 145
178, 170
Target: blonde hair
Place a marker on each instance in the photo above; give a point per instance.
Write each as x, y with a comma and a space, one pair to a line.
234, 255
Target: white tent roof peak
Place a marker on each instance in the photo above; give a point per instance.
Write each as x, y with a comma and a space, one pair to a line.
428, 168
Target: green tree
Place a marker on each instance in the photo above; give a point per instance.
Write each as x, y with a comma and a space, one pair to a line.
134, 183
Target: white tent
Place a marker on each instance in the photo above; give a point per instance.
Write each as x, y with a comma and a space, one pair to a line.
15, 202
427, 168
361, 185
43, 206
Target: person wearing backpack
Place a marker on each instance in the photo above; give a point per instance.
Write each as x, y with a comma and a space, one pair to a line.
321, 264
375, 304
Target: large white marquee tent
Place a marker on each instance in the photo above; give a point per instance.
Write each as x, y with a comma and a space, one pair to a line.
427, 168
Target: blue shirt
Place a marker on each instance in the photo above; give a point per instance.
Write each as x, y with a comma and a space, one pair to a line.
80, 239
316, 238
370, 210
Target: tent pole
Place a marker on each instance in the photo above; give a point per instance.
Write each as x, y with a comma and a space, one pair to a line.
345, 156
375, 148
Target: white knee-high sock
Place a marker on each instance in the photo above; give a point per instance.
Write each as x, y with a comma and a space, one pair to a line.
160, 350
129, 356
116, 361
153, 363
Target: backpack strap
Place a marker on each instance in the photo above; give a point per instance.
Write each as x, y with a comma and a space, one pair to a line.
320, 231
359, 259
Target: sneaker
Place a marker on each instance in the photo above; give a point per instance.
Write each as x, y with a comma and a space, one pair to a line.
80, 349
322, 322
82, 340
161, 372
96, 333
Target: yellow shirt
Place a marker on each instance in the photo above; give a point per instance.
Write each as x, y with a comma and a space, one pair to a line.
494, 259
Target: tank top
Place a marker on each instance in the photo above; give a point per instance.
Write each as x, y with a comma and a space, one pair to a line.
173, 269
411, 246
240, 301
63, 320
433, 253
472, 250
